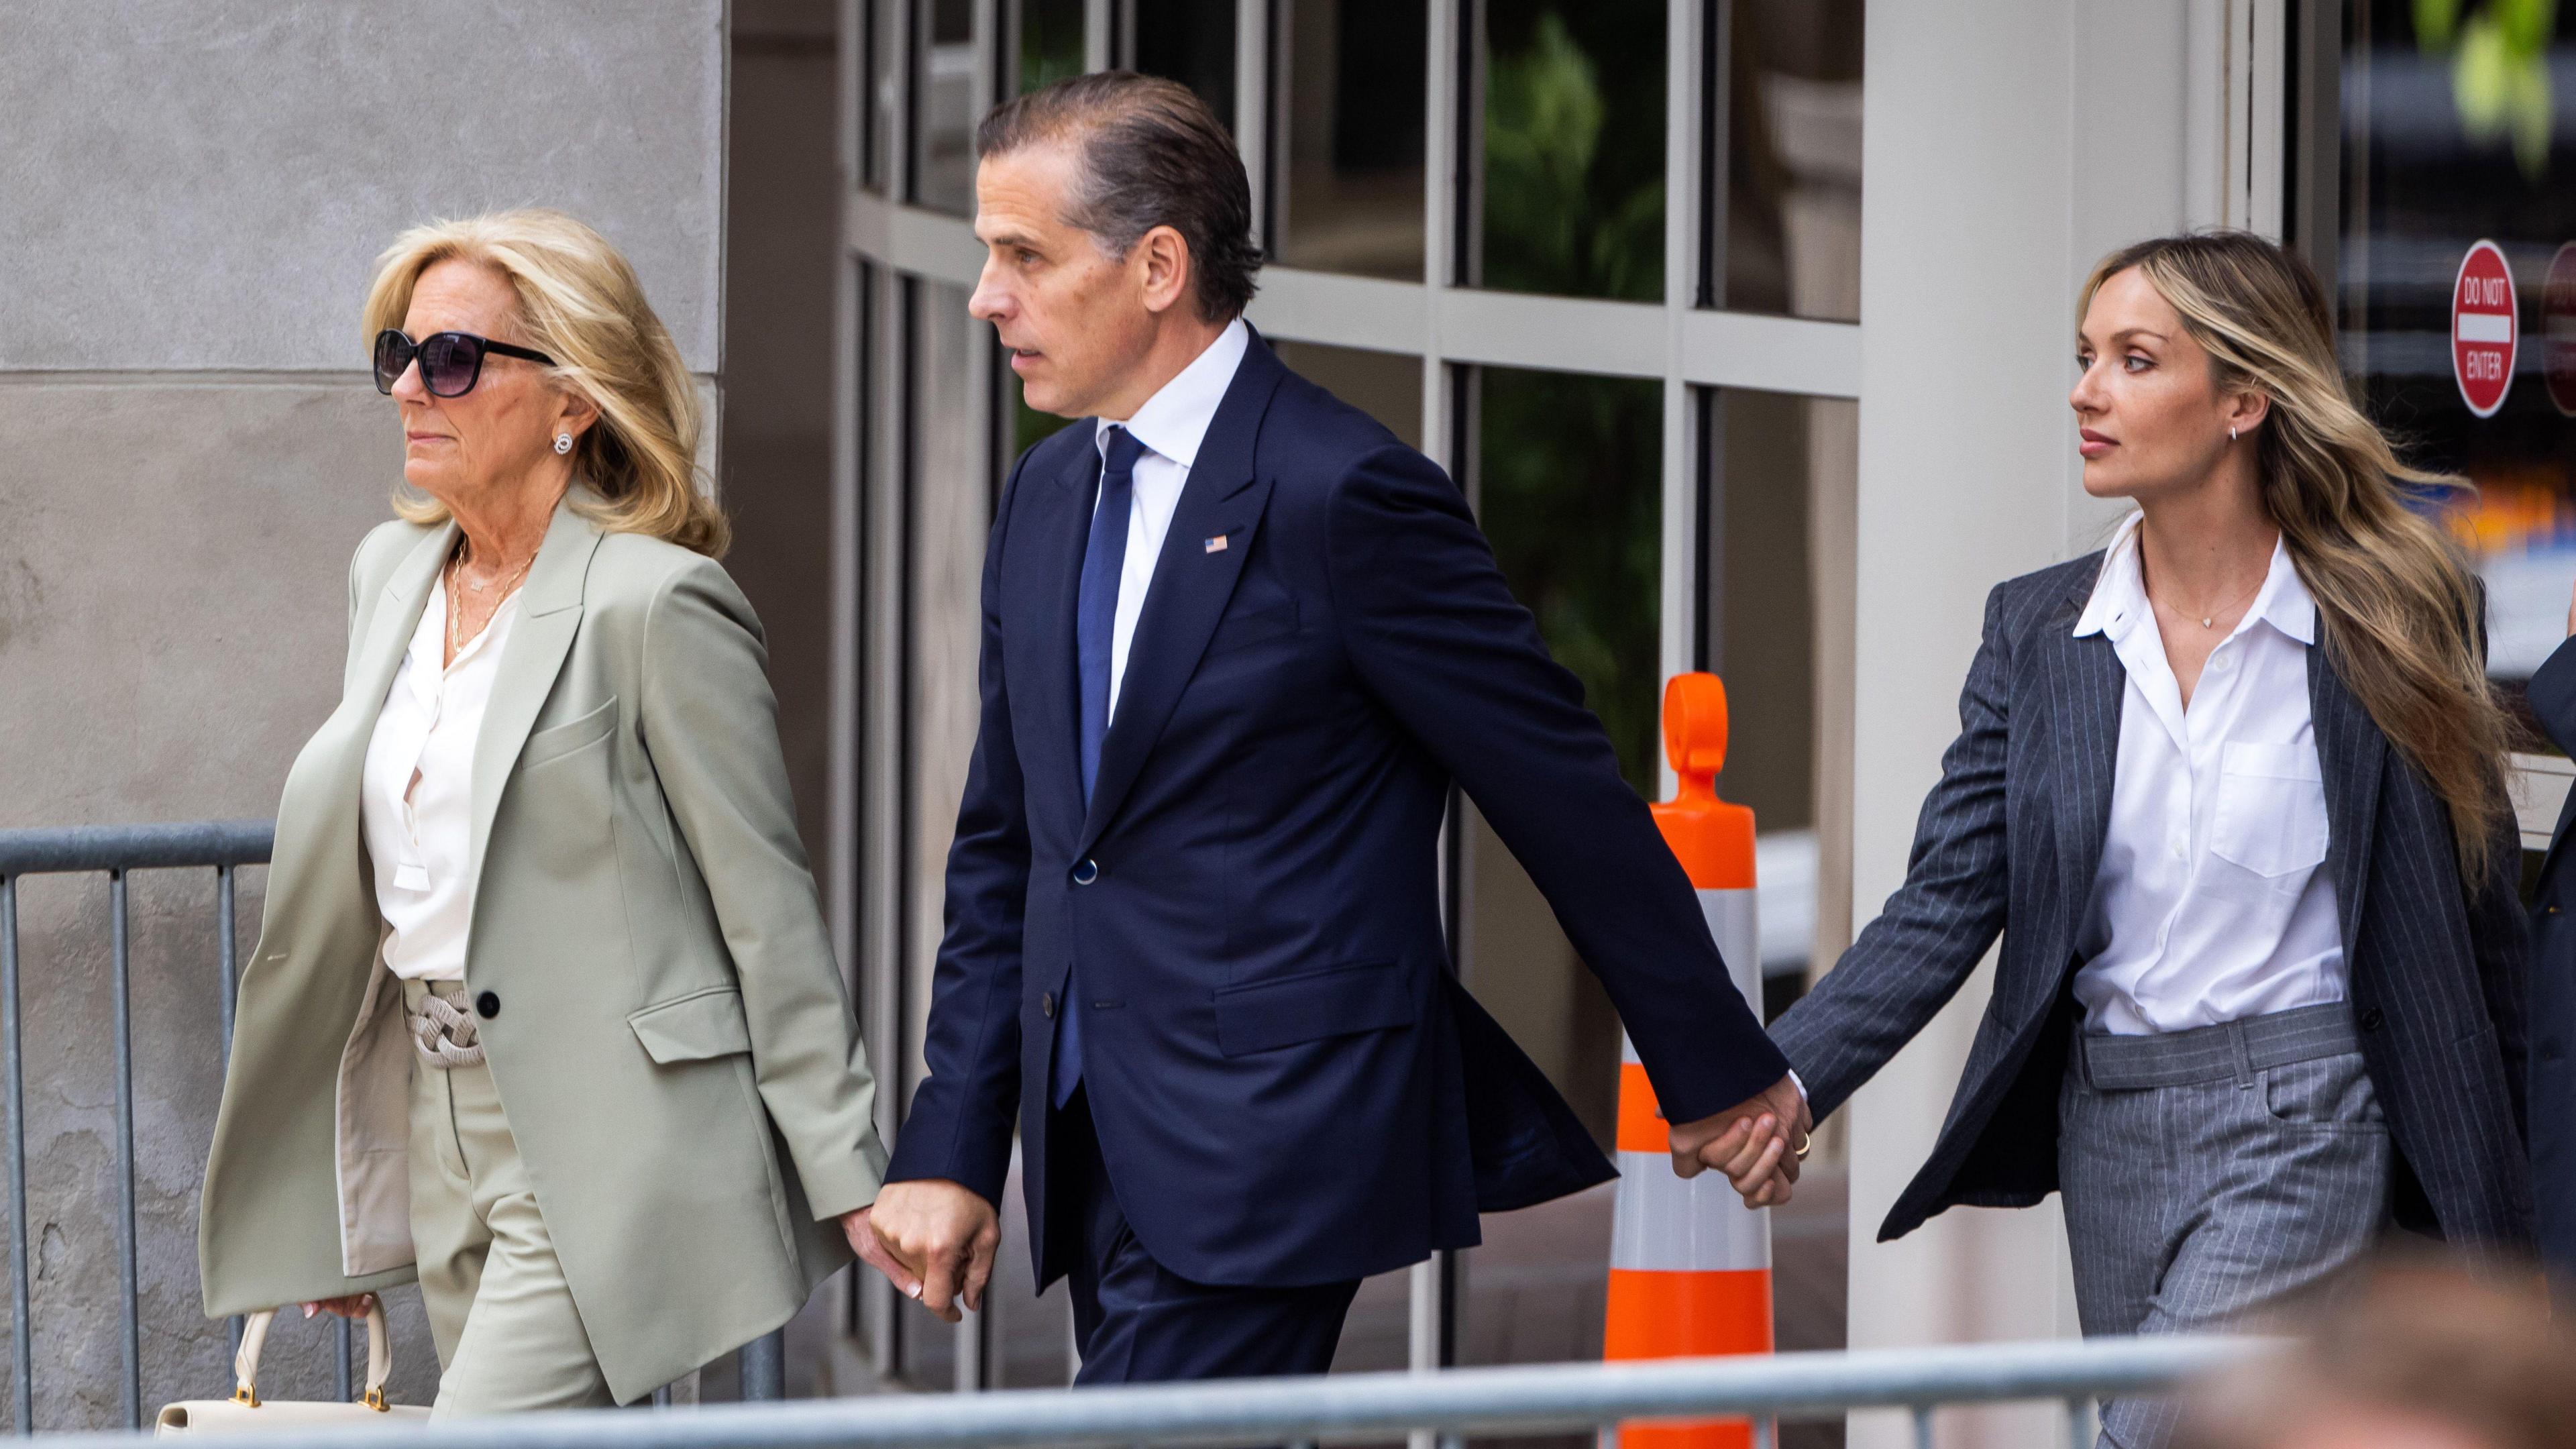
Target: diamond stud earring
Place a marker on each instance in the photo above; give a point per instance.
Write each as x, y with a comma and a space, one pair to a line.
563, 442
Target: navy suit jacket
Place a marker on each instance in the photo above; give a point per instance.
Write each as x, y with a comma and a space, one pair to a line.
2553, 995
1288, 1086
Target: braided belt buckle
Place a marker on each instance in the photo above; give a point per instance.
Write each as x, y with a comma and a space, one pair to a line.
446, 1034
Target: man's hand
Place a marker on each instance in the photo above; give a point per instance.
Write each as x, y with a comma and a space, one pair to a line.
1755, 1143
933, 1240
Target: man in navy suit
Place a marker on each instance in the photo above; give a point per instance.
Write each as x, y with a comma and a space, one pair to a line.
1238, 642
2552, 1063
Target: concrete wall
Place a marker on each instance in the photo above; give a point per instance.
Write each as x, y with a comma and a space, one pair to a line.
2056, 132
190, 199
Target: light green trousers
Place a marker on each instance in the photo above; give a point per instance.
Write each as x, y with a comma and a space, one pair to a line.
508, 1333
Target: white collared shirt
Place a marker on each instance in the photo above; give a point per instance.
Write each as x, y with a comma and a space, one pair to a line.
416, 796
1171, 425
2211, 904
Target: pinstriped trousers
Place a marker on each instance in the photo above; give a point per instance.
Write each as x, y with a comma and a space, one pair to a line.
2215, 1176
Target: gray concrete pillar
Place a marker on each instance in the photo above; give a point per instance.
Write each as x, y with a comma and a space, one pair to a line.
191, 197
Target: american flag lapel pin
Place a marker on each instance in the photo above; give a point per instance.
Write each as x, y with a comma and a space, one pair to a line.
1216, 544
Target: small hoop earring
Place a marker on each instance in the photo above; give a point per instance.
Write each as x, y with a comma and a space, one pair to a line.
2231, 437
563, 442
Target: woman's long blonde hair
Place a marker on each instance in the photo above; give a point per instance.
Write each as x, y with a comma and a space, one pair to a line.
2399, 610
579, 303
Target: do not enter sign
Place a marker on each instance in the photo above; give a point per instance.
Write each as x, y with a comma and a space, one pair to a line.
2483, 329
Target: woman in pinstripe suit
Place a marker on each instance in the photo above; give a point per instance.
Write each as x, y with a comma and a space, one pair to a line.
2232, 792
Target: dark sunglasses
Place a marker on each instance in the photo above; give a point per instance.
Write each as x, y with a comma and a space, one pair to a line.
450, 362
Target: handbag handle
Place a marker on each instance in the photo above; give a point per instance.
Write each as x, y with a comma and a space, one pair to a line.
380, 1356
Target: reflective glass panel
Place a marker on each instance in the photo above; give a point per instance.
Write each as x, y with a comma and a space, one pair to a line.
1783, 474
1784, 233
2456, 133
1385, 385
868, 107
945, 520
1570, 153
1568, 486
945, 92
1349, 197
1050, 41
1782, 497
1190, 41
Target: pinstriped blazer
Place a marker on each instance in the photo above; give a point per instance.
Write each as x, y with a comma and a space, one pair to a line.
2009, 843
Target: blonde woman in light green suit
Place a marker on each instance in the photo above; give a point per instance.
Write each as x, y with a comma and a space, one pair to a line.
543, 1012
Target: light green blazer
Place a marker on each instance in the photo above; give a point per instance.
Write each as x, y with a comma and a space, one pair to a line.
674, 1046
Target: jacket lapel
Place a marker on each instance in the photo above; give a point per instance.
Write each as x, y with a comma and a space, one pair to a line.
1191, 584
549, 616
370, 676
390, 627
2354, 754
2087, 689
1069, 526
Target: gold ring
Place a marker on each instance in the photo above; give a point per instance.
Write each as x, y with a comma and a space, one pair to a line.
1803, 1146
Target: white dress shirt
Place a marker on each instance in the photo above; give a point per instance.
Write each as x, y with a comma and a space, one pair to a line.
2210, 904
416, 795
1171, 425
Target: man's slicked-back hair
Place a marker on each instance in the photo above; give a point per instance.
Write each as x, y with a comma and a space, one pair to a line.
1148, 152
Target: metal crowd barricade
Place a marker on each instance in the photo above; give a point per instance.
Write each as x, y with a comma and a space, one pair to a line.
115, 850
1451, 1404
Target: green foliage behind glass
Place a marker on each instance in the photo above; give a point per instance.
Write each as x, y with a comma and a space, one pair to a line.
1571, 495
1574, 148
1050, 41
2499, 70
1029, 427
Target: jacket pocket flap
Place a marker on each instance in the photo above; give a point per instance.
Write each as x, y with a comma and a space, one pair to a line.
1251, 628
693, 1028
1262, 1015
555, 741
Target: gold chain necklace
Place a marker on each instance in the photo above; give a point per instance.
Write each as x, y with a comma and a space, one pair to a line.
456, 636
2209, 620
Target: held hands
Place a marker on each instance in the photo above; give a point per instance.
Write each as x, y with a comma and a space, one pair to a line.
933, 1240
1755, 1143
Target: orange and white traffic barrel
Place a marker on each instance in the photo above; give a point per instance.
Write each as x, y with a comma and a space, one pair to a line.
1690, 1264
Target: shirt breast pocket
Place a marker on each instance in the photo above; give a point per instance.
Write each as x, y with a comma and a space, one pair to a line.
2271, 812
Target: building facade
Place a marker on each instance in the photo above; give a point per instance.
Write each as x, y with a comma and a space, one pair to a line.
1744, 324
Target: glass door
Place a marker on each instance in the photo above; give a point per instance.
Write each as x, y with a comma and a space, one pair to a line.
2452, 259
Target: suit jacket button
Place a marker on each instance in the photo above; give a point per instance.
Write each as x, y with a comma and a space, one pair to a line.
1046, 1005
487, 1006
2373, 1019
1085, 871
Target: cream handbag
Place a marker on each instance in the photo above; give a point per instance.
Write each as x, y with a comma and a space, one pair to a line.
244, 1412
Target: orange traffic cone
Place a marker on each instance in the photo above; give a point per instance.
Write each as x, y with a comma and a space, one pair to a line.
1690, 1264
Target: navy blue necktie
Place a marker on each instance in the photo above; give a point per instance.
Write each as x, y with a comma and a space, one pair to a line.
1104, 560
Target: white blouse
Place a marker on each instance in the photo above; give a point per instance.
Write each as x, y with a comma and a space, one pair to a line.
416, 799
2210, 904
